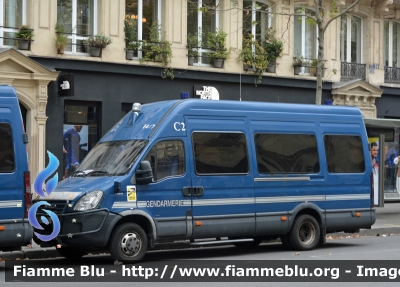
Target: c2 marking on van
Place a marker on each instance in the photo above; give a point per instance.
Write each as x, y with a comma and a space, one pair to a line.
147, 126
179, 126
163, 203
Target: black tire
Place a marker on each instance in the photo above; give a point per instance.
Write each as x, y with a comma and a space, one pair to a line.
286, 242
305, 233
248, 244
128, 243
71, 252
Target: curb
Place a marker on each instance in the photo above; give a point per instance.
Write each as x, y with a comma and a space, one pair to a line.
43, 253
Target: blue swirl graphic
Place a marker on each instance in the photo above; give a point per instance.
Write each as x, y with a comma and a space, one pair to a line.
50, 186
41, 177
36, 224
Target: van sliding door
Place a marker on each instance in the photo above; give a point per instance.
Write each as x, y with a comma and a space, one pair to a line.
222, 185
288, 172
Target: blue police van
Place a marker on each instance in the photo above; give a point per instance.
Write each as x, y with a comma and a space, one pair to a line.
15, 195
217, 171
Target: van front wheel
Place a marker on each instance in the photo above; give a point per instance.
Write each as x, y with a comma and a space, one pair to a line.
304, 234
128, 243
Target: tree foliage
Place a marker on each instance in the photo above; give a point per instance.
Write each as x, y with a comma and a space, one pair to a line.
323, 17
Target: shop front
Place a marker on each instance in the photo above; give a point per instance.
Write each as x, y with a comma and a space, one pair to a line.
384, 140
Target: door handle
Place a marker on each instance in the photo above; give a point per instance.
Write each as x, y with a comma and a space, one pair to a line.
186, 191
198, 191
195, 191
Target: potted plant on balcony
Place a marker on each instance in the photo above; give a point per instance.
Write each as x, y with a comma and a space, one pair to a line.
313, 67
273, 48
97, 43
298, 63
216, 40
193, 45
253, 57
246, 55
132, 45
158, 51
61, 40
24, 37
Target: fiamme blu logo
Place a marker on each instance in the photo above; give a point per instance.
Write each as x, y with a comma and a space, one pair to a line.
38, 188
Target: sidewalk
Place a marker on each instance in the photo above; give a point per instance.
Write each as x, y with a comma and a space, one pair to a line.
387, 222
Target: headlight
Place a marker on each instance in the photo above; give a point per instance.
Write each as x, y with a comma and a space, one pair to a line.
89, 201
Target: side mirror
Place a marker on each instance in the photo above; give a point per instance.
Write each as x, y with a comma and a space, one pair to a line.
144, 174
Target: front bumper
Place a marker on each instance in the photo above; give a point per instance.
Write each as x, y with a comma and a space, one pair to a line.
88, 229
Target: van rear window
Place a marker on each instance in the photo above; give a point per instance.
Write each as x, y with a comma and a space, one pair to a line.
286, 153
344, 154
220, 153
7, 157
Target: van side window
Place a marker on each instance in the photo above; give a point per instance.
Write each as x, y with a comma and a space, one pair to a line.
286, 153
7, 157
344, 154
167, 158
220, 153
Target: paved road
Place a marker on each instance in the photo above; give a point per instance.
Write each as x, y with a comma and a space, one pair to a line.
361, 249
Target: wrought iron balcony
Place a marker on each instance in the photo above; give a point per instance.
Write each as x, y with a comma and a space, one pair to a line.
392, 75
351, 71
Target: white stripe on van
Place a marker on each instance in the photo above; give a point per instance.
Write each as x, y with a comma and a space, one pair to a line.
277, 199
223, 201
124, 204
347, 197
251, 200
10, 203
299, 178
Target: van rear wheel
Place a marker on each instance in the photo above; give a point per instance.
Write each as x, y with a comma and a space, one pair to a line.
304, 234
128, 243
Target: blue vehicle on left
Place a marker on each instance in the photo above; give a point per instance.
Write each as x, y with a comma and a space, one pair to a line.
15, 195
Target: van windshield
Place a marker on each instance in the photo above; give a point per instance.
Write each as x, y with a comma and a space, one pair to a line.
110, 158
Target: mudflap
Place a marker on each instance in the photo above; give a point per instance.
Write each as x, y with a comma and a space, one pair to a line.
322, 236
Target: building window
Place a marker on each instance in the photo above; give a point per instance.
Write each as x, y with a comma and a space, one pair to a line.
344, 154
350, 39
167, 158
286, 153
197, 21
80, 132
305, 35
79, 19
256, 20
220, 153
12, 16
392, 44
145, 12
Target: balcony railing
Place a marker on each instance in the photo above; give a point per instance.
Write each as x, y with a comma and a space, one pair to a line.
351, 71
392, 75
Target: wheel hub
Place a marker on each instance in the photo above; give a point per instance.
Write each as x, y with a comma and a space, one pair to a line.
307, 233
130, 244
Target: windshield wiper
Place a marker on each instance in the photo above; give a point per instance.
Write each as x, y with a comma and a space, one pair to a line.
78, 173
98, 171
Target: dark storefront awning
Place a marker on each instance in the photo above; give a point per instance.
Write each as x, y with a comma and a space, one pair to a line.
386, 126
381, 123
